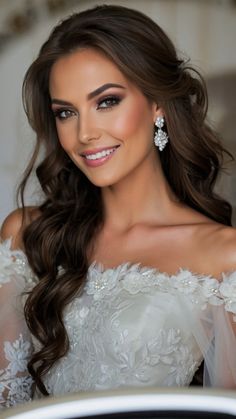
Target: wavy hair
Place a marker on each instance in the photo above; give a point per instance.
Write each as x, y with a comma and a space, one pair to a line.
72, 210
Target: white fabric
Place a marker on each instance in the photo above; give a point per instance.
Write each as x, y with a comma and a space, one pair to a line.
132, 326
15, 340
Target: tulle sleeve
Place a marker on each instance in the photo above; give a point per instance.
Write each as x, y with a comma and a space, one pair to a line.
215, 333
220, 358
15, 341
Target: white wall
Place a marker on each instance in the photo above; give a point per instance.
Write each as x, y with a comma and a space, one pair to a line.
205, 31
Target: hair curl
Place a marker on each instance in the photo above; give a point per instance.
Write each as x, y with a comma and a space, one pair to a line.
72, 211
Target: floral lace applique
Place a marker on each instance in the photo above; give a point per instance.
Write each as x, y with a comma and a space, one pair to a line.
105, 351
227, 290
134, 279
14, 262
15, 382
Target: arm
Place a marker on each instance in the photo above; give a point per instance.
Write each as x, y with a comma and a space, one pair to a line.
220, 358
15, 340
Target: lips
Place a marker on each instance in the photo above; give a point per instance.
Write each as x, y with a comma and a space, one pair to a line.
98, 156
89, 153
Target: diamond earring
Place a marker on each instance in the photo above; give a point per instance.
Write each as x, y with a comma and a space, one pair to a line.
161, 137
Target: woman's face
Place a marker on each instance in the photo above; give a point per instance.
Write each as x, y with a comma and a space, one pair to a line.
104, 123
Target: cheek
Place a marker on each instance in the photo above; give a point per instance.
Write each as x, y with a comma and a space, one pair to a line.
131, 121
66, 135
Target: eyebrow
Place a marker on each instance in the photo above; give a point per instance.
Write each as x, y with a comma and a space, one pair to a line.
60, 102
91, 95
102, 89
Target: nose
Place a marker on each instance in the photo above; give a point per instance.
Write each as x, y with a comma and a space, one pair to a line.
87, 129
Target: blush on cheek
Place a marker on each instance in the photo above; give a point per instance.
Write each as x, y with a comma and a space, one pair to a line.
129, 123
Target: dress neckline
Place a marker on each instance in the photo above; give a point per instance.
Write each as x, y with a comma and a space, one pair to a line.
198, 288
132, 267
124, 266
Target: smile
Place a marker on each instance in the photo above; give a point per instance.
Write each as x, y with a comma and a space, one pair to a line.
100, 154
94, 159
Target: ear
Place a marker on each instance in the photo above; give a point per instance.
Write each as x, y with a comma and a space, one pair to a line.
157, 111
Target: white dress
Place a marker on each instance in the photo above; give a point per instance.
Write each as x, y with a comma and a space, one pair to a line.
132, 326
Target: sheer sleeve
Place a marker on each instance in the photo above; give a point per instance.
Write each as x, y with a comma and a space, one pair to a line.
215, 333
15, 341
220, 357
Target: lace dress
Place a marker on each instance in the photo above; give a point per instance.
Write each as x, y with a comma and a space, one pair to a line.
132, 326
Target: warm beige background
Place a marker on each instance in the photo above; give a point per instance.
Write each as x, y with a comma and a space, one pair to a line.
205, 30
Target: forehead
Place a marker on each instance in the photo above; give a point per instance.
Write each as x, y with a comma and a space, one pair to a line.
86, 68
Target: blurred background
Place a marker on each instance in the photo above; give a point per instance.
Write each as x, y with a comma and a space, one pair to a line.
204, 30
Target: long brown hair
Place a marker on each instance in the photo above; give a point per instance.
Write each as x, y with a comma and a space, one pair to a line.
72, 210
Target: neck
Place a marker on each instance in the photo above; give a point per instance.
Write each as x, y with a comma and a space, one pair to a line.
143, 197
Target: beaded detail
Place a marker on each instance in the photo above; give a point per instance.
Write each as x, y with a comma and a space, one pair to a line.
14, 262
15, 278
131, 326
135, 278
15, 385
122, 331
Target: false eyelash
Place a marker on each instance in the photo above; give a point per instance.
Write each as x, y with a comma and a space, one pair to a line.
116, 100
57, 112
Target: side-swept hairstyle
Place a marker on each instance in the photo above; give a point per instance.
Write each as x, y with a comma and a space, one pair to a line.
72, 211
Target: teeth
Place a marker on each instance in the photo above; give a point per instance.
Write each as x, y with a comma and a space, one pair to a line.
100, 154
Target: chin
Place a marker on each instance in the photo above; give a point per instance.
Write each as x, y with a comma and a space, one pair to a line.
103, 182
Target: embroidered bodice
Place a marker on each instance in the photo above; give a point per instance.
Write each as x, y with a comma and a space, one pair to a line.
131, 326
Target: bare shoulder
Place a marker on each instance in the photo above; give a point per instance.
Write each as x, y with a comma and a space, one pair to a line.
218, 244
227, 246
15, 223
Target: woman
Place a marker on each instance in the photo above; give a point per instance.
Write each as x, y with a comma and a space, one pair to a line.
131, 255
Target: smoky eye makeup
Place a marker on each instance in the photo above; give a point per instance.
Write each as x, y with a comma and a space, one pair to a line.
105, 102
108, 101
62, 113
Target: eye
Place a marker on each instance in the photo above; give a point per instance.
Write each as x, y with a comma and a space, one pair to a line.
108, 102
63, 114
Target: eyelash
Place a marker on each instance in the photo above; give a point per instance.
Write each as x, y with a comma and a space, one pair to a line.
110, 102
114, 101
58, 113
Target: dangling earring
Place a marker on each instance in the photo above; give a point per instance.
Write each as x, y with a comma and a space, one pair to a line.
161, 137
